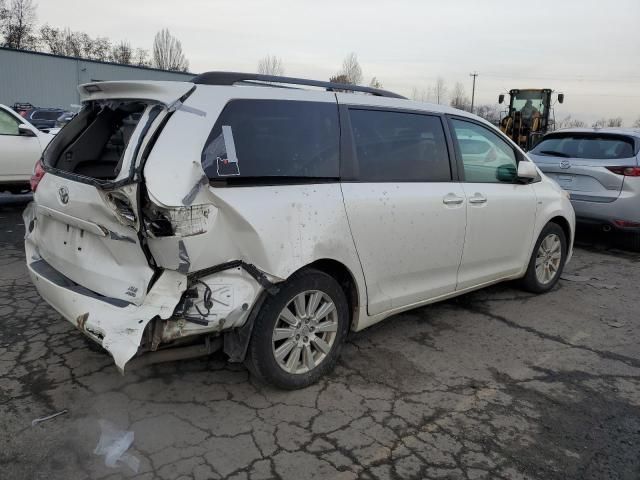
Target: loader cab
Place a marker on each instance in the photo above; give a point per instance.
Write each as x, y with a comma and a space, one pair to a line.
527, 118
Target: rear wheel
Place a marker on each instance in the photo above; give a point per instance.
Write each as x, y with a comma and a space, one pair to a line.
547, 260
298, 334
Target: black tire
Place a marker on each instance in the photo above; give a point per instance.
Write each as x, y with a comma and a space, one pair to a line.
530, 281
261, 360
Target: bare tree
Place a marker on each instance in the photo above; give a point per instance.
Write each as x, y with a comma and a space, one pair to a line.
271, 65
351, 71
375, 83
490, 112
140, 58
611, 122
167, 52
440, 90
339, 78
420, 94
459, 98
568, 122
51, 38
122, 53
614, 122
636, 124
17, 24
101, 49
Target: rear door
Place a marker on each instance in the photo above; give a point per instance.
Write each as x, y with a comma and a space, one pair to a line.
585, 164
406, 214
87, 215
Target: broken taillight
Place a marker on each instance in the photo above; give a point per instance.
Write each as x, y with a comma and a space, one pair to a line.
178, 221
626, 171
38, 173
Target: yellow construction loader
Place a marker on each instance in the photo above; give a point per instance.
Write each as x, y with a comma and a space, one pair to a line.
527, 119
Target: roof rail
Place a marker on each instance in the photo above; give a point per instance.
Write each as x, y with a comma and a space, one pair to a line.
231, 78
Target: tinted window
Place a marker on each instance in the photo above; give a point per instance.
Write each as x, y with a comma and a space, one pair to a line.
597, 147
400, 147
46, 114
487, 158
274, 138
8, 124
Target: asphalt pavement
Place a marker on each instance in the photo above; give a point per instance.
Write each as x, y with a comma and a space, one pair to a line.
495, 384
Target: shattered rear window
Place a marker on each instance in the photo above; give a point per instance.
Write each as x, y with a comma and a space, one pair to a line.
94, 141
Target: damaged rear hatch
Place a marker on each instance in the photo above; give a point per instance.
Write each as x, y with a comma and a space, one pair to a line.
83, 240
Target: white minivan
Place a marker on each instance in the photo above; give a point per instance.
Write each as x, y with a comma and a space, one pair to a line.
269, 216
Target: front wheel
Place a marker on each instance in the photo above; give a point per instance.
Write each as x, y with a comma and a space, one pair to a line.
547, 260
299, 332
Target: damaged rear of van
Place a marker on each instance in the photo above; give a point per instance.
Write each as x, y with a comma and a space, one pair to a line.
161, 223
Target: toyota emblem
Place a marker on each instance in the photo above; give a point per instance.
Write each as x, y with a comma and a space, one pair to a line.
565, 164
63, 193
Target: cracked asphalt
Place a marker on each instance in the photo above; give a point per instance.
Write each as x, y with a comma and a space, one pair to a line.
495, 384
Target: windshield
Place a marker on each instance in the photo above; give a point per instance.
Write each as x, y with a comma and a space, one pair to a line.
597, 147
529, 103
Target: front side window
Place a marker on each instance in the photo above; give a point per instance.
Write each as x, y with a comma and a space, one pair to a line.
399, 147
8, 124
587, 146
273, 138
486, 157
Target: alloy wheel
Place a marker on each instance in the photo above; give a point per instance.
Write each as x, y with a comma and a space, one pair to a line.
548, 259
304, 332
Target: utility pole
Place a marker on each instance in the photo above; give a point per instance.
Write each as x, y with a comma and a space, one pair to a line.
473, 90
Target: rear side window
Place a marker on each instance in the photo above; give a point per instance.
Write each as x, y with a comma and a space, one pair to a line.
595, 147
399, 147
273, 138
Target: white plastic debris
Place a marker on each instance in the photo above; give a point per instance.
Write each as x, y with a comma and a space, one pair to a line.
113, 444
36, 421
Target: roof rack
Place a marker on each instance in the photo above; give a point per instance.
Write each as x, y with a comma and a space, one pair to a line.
231, 78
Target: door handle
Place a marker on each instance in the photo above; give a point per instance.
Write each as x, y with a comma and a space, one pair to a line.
452, 199
478, 198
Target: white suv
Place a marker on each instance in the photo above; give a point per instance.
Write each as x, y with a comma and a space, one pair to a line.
171, 219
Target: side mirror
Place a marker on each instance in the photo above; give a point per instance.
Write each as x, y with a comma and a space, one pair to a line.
527, 170
560, 97
501, 98
25, 131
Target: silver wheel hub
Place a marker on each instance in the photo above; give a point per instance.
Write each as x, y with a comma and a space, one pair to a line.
305, 332
548, 259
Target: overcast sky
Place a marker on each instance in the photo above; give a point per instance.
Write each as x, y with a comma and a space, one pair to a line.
590, 50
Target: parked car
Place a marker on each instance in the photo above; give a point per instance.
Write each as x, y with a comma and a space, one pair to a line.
63, 119
600, 169
272, 221
22, 108
21, 145
44, 118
